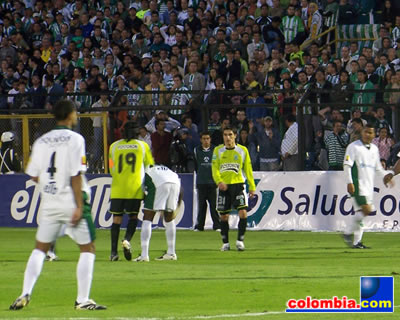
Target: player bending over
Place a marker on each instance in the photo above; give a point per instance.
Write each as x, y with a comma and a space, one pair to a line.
163, 193
58, 164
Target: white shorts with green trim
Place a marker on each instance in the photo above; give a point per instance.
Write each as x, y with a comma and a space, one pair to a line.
163, 198
50, 226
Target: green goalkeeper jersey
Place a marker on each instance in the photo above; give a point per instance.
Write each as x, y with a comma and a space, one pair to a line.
127, 161
232, 166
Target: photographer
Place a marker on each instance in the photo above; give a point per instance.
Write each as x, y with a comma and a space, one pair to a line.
180, 157
336, 143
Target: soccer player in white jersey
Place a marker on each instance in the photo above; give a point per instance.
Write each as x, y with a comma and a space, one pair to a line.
58, 165
361, 162
163, 193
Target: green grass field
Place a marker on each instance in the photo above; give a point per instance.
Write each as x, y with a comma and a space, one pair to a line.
204, 283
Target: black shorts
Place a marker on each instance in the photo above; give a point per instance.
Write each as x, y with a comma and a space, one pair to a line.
233, 198
128, 206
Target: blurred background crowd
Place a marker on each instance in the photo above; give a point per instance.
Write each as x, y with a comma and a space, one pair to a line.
250, 62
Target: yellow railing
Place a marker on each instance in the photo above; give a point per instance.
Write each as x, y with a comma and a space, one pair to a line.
26, 131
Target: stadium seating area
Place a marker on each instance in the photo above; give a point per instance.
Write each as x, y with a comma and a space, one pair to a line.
269, 48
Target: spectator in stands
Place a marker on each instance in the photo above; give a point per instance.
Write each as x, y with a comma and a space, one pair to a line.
356, 126
336, 143
170, 123
55, 92
289, 146
103, 102
314, 21
381, 122
145, 136
180, 98
217, 136
383, 142
342, 92
360, 98
161, 141
273, 35
37, 94
268, 143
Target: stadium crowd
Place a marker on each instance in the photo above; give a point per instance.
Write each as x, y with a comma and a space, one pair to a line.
171, 47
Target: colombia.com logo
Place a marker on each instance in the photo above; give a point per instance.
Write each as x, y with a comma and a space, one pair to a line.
376, 296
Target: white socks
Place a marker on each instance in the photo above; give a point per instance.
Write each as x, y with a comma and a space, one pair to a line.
170, 232
145, 236
84, 275
355, 227
32, 271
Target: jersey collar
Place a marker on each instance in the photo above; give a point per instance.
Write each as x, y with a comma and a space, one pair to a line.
61, 127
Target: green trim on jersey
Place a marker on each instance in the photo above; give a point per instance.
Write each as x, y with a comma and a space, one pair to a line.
151, 193
58, 127
360, 200
87, 215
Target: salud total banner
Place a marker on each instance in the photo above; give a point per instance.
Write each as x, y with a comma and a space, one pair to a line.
313, 200
284, 201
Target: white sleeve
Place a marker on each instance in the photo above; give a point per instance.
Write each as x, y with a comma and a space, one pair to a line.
349, 156
347, 174
78, 157
33, 168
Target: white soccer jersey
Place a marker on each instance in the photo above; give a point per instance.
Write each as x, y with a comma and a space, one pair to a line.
56, 157
161, 174
364, 162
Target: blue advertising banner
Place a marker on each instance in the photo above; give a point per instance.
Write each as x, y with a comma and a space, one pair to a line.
20, 201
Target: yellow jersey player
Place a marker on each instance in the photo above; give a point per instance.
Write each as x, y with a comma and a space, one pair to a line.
231, 167
127, 159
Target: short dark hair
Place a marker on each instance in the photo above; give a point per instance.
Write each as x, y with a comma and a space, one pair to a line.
204, 133
290, 118
62, 109
229, 128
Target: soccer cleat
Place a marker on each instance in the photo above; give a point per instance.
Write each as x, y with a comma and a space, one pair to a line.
141, 259
114, 257
21, 302
167, 256
360, 246
348, 239
89, 305
127, 250
51, 256
225, 247
239, 245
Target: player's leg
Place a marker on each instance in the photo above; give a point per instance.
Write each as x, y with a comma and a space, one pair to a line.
51, 254
202, 207
117, 210
145, 235
46, 233
223, 208
358, 233
354, 227
212, 201
240, 204
84, 234
132, 207
174, 195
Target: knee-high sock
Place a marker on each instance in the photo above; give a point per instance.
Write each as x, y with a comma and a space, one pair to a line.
145, 236
84, 275
358, 228
32, 270
354, 223
170, 233
225, 231
242, 229
114, 237
130, 229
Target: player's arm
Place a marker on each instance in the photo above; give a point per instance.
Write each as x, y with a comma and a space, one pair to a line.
148, 157
33, 168
248, 171
349, 179
215, 171
347, 166
76, 185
